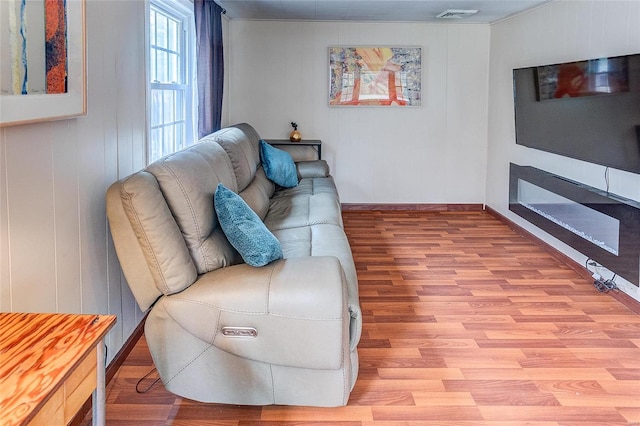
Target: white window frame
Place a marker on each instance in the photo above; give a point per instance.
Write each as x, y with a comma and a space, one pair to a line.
181, 10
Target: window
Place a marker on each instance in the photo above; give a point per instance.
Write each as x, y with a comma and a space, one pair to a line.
171, 85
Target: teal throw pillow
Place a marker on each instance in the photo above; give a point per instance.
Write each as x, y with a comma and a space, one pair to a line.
244, 229
278, 165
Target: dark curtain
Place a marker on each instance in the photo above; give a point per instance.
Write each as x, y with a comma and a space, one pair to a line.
208, 16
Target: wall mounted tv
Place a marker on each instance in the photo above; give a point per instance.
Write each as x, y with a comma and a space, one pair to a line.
589, 110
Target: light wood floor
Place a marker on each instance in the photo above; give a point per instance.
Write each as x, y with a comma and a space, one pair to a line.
465, 323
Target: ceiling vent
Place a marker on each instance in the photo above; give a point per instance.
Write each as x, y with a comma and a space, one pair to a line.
456, 13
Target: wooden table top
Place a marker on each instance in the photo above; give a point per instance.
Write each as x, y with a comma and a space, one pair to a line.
37, 353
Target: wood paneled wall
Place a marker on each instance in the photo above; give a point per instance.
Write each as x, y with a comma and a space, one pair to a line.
560, 31
434, 153
56, 254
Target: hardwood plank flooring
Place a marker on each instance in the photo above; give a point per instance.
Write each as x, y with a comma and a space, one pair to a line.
466, 322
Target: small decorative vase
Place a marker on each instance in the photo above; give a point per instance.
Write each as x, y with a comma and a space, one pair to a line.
295, 135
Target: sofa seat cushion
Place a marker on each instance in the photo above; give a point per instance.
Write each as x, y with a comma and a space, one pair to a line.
326, 240
309, 186
297, 308
313, 201
318, 240
303, 210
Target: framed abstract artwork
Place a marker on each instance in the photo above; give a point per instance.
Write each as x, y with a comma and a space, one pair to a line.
42, 60
375, 76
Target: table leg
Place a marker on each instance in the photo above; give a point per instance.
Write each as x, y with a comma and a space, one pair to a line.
99, 393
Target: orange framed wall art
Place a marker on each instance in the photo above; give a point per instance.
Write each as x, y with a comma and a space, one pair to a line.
375, 76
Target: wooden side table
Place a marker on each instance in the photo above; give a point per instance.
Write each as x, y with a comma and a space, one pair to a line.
304, 142
49, 366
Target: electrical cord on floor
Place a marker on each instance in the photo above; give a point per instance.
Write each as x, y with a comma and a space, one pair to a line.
605, 286
602, 285
148, 388
590, 262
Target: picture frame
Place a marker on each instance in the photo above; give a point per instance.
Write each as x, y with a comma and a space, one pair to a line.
60, 94
375, 76
593, 77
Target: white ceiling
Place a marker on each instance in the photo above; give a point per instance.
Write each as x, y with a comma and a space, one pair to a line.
374, 10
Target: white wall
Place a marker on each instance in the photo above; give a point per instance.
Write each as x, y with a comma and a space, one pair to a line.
55, 249
436, 153
561, 31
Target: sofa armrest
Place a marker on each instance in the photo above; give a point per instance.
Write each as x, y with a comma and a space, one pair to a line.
312, 169
297, 307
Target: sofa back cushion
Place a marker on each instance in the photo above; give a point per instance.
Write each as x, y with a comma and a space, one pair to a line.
152, 252
258, 194
188, 180
242, 151
241, 143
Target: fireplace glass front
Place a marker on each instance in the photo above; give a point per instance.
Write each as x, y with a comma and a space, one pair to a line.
592, 225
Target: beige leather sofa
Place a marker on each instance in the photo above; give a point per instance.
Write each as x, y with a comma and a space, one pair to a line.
220, 330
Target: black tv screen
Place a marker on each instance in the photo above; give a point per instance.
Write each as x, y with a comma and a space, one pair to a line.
589, 110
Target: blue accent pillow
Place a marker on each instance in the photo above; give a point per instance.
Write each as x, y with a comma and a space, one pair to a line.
244, 229
278, 165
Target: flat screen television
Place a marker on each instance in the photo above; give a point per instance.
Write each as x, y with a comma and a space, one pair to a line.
589, 110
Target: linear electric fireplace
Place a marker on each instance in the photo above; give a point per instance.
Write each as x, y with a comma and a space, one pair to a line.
600, 225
